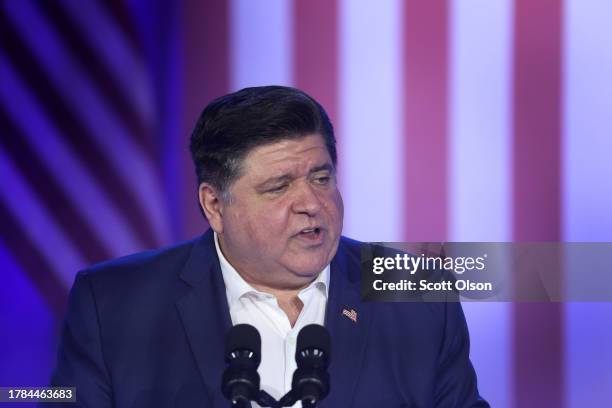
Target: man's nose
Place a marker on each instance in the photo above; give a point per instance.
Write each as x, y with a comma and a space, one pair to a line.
306, 200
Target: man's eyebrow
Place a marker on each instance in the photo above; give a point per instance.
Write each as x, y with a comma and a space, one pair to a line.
289, 177
324, 167
275, 180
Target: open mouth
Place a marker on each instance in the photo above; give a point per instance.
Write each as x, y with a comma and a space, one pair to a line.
310, 233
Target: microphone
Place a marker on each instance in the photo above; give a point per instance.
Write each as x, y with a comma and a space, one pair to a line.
240, 382
310, 380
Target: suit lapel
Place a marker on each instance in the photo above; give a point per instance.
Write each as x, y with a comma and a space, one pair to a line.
348, 333
205, 314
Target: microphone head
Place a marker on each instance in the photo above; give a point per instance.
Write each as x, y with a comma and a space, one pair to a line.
313, 341
243, 337
312, 354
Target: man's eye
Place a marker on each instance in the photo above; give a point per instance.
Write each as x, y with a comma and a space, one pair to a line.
278, 189
322, 180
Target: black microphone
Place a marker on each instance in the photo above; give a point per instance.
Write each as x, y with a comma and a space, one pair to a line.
240, 383
310, 380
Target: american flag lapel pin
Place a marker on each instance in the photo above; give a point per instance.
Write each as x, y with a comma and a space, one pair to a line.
350, 313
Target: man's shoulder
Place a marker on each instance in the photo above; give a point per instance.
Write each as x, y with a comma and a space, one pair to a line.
163, 264
350, 245
426, 313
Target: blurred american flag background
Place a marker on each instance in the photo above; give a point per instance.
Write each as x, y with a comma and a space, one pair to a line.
459, 120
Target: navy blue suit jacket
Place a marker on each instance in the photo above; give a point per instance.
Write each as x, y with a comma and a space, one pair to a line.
147, 331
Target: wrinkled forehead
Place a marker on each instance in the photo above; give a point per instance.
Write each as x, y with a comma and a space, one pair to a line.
291, 156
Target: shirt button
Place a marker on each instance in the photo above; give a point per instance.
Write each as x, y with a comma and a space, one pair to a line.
291, 340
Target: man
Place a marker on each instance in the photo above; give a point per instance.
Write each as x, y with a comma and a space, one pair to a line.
147, 330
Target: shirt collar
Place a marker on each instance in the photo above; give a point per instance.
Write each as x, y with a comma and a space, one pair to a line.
236, 286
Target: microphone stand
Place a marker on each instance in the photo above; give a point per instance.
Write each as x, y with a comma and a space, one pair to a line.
266, 400
290, 398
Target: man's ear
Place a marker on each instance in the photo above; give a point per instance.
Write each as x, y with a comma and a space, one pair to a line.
211, 203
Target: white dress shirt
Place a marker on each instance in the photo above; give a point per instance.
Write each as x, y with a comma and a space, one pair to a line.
278, 338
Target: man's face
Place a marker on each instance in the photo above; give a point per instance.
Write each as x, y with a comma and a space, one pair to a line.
283, 222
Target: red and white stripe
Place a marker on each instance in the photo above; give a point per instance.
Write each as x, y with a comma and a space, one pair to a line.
464, 121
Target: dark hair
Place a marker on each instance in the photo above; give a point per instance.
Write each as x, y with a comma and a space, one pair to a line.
232, 125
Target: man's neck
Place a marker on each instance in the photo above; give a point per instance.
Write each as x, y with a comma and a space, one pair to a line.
287, 299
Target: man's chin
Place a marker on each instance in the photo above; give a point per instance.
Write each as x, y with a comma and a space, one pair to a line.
309, 262
310, 271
